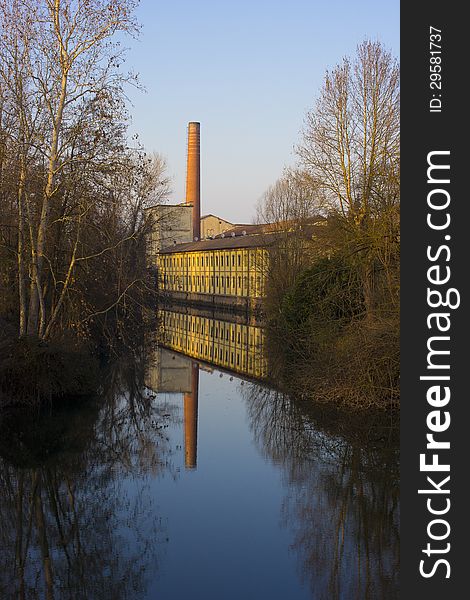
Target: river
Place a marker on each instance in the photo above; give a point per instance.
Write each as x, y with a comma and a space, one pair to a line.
192, 476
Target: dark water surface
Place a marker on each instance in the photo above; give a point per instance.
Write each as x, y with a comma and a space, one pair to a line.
185, 481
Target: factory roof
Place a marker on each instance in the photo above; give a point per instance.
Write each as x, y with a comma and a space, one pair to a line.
222, 243
243, 236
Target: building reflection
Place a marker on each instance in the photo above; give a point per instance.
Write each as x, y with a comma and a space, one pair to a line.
191, 400
171, 373
186, 338
235, 345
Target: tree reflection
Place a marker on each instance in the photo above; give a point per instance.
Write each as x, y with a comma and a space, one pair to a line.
76, 517
342, 502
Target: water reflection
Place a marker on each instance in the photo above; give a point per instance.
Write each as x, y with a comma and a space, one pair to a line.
342, 497
171, 373
237, 344
273, 499
191, 399
70, 527
342, 491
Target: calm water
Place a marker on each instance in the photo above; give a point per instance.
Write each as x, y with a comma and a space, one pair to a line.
185, 481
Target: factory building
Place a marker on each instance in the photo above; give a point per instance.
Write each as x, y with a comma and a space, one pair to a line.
227, 267
212, 225
224, 272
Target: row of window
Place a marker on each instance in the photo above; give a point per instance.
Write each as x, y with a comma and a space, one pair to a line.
207, 259
245, 363
191, 272
196, 326
214, 283
235, 346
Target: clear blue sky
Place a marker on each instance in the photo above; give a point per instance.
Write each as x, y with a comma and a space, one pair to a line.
248, 71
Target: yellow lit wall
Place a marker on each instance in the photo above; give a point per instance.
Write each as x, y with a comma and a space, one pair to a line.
230, 272
233, 346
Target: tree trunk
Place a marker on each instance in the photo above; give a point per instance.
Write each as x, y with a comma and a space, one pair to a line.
21, 237
37, 310
368, 287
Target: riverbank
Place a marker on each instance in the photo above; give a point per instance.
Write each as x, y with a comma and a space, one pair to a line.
330, 345
354, 370
33, 371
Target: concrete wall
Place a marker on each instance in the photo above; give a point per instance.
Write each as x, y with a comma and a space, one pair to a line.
171, 225
226, 304
168, 372
212, 225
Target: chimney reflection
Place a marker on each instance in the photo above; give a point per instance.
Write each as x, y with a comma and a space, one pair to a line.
187, 338
171, 373
190, 420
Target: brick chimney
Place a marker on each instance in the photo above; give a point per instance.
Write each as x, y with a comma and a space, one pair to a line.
193, 176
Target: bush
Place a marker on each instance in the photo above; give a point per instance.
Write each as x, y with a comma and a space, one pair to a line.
33, 371
324, 298
334, 352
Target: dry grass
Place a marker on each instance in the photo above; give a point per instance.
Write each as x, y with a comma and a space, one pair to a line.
359, 369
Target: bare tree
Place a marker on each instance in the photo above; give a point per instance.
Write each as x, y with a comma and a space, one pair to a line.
65, 120
288, 208
291, 201
350, 147
76, 61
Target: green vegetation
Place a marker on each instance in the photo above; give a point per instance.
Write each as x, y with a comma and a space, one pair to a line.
337, 305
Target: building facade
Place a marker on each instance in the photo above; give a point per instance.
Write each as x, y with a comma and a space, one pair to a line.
169, 225
223, 271
212, 225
